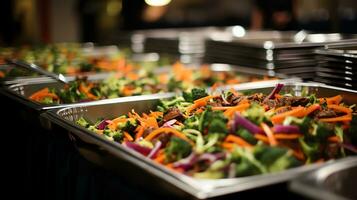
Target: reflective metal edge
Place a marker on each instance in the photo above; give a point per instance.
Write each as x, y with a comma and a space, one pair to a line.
201, 189
308, 184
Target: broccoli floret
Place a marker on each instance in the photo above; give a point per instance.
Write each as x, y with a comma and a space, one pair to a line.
246, 163
192, 122
255, 113
213, 122
275, 158
310, 149
129, 126
196, 93
246, 135
116, 135
321, 131
173, 84
303, 123
177, 149
82, 122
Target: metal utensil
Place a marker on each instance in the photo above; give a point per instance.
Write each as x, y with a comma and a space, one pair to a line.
33, 67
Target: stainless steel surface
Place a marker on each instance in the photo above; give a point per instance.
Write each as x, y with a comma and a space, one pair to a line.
35, 68
198, 188
334, 181
26, 88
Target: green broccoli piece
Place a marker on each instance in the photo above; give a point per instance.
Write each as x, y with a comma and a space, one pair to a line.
246, 135
116, 135
82, 122
275, 158
321, 131
255, 113
246, 163
129, 126
213, 122
173, 84
192, 122
310, 149
196, 93
177, 149
303, 123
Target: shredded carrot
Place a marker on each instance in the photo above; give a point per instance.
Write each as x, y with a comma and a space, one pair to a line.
2, 74
298, 154
128, 136
158, 131
114, 123
340, 108
312, 108
287, 136
269, 133
334, 100
156, 114
221, 108
199, 103
261, 137
160, 158
228, 146
343, 118
237, 140
334, 139
140, 133
151, 122
296, 112
241, 107
42, 91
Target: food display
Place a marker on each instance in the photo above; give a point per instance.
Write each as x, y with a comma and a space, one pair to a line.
236, 134
133, 82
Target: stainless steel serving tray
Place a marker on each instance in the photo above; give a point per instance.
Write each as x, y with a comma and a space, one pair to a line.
334, 181
112, 155
23, 90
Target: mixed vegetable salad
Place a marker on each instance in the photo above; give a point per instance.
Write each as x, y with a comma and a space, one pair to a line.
236, 134
129, 83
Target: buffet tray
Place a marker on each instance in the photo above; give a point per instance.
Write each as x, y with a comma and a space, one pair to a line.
334, 181
21, 91
142, 170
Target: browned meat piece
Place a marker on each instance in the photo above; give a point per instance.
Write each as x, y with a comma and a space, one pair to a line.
258, 97
172, 113
282, 110
326, 113
271, 103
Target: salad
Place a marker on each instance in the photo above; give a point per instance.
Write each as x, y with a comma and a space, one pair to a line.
236, 134
68, 58
180, 78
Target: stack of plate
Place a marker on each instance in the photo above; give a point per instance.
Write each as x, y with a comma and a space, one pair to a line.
187, 44
337, 65
290, 53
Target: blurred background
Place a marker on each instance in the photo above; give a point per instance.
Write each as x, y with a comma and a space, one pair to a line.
104, 21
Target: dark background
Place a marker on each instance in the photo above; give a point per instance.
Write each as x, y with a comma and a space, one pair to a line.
34, 21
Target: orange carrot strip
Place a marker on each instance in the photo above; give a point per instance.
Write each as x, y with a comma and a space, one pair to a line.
128, 136
160, 158
221, 108
237, 140
334, 139
298, 154
343, 118
261, 137
42, 91
334, 100
312, 108
287, 136
340, 108
151, 121
158, 131
296, 112
270, 134
241, 107
228, 146
140, 133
